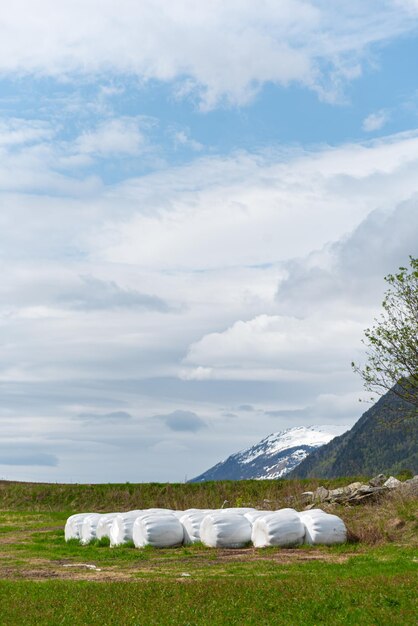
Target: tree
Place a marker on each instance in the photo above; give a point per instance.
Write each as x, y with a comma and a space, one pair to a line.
392, 343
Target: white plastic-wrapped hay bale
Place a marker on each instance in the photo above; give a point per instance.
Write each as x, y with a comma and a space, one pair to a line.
159, 531
282, 528
73, 524
121, 528
323, 528
191, 523
225, 530
104, 524
239, 510
253, 515
88, 527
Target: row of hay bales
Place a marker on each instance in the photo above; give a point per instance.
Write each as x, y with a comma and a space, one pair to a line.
222, 528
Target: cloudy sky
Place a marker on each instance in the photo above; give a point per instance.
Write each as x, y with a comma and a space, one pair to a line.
198, 204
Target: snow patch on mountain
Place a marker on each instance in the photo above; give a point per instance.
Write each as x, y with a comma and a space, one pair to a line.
274, 456
314, 436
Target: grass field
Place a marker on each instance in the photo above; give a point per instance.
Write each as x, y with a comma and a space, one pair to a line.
105, 497
43, 580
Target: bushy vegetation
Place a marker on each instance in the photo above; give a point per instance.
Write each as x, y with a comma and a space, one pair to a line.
392, 343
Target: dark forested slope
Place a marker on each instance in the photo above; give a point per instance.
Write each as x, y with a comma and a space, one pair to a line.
381, 441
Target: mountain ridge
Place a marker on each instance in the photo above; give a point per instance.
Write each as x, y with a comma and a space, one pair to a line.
383, 440
272, 457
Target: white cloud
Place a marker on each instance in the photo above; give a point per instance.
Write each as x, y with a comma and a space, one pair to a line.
287, 346
213, 245
327, 406
375, 121
349, 273
181, 138
36, 157
18, 132
255, 209
219, 51
112, 137
197, 373
323, 306
411, 5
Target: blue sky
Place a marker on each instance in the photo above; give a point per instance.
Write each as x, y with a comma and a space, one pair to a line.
178, 129
198, 204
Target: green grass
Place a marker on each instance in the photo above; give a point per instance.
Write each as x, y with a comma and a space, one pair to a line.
374, 589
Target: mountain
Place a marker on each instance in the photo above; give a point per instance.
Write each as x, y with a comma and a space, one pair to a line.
380, 442
273, 457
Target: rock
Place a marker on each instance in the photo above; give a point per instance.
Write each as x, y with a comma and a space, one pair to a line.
367, 489
355, 493
320, 494
307, 496
365, 492
410, 486
378, 480
392, 483
352, 487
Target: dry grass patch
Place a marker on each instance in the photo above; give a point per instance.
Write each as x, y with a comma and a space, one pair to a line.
394, 518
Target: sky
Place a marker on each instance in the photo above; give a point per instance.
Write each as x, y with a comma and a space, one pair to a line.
198, 205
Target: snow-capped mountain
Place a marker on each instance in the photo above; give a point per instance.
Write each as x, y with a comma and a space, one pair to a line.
273, 457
